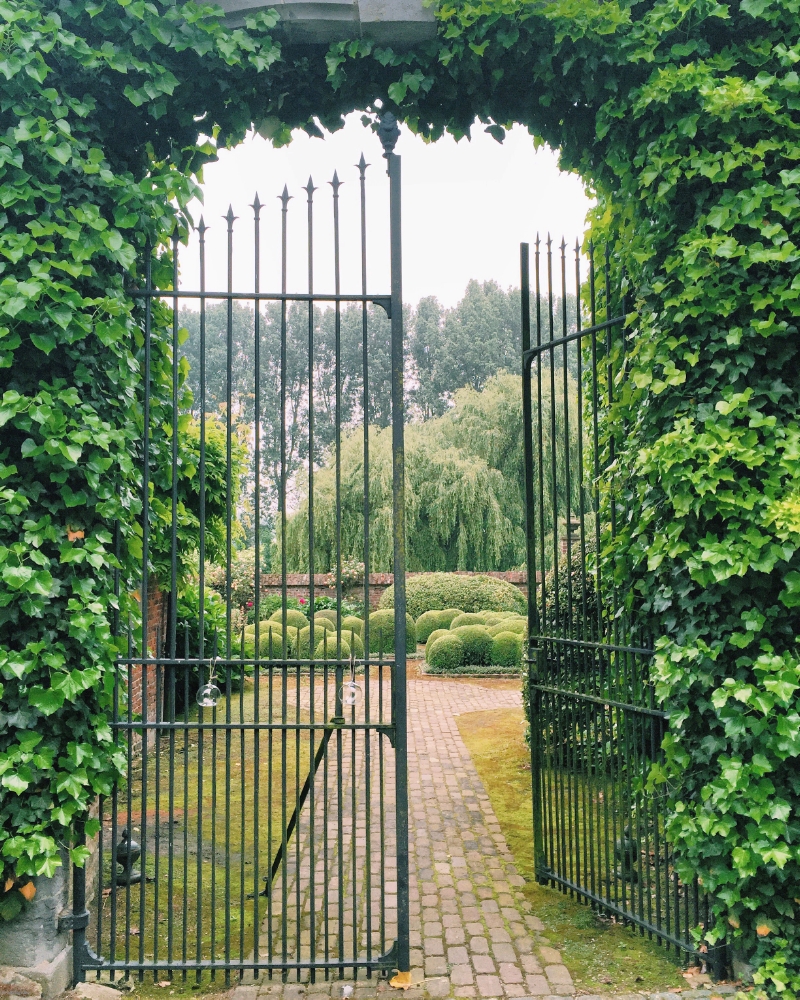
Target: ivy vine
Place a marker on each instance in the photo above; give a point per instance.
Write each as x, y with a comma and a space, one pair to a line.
682, 116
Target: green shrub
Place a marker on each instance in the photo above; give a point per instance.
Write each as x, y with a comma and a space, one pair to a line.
507, 650
350, 638
428, 622
381, 632
329, 613
446, 654
353, 622
472, 618
436, 634
477, 643
324, 624
516, 625
294, 617
495, 617
430, 591
326, 648
302, 645
448, 615
275, 650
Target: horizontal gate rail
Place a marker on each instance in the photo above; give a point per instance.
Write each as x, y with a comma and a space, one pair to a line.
596, 725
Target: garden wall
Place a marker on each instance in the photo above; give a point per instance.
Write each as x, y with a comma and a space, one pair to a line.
297, 584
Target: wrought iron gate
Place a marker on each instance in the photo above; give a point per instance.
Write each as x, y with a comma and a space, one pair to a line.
261, 826
596, 726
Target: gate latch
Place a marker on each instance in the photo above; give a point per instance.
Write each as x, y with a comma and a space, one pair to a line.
73, 921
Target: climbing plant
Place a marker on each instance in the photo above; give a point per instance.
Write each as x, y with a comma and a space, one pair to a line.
683, 117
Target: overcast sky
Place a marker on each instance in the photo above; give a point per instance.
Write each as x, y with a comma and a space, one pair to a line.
466, 207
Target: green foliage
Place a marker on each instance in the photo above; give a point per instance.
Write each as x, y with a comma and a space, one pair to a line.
381, 632
429, 591
323, 623
436, 634
330, 645
353, 623
515, 625
270, 642
507, 649
328, 613
477, 643
430, 621
294, 618
449, 614
446, 654
468, 618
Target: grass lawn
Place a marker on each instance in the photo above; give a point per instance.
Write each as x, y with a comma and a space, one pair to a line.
602, 955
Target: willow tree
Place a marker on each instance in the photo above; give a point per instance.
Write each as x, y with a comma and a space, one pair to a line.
464, 488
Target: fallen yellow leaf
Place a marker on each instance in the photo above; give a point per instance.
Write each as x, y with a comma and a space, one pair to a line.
9, 885
763, 929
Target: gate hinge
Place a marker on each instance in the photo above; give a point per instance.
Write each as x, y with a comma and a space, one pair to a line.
73, 921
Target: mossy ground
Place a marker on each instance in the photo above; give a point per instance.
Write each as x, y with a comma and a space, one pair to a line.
602, 955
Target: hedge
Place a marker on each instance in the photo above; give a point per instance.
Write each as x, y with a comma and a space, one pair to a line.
507, 650
475, 618
431, 591
436, 634
430, 621
296, 619
477, 643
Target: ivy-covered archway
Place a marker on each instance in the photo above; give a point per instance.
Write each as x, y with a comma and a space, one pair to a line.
684, 118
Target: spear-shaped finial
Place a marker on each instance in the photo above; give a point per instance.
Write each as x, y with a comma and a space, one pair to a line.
362, 166
563, 246
256, 206
284, 197
335, 184
229, 217
538, 242
310, 189
202, 227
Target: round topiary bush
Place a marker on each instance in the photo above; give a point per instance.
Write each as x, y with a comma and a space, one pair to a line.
326, 648
350, 638
448, 615
516, 625
270, 642
323, 623
472, 618
446, 654
494, 617
328, 613
428, 622
302, 645
352, 622
507, 650
294, 617
430, 591
381, 632
436, 634
477, 643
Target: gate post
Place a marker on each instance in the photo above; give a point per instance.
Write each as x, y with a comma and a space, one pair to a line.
389, 132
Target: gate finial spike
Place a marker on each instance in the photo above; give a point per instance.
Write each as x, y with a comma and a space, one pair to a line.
229, 217
256, 206
202, 227
362, 165
335, 183
538, 242
563, 245
310, 188
284, 197
549, 242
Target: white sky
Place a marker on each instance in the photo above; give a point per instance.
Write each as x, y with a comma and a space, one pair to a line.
466, 207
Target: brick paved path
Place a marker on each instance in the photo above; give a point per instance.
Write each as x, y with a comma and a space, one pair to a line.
471, 932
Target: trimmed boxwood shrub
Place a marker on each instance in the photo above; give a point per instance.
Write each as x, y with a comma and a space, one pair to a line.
428, 622
349, 636
446, 654
430, 591
267, 629
328, 613
477, 643
516, 625
448, 615
353, 622
495, 617
323, 623
293, 617
467, 619
302, 644
507, 650
436, 634
381, 632
326, 648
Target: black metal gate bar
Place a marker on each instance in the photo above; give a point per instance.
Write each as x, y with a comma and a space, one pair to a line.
596, 729
272, 769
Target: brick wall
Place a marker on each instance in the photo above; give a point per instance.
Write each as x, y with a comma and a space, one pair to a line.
297, 584
143, 685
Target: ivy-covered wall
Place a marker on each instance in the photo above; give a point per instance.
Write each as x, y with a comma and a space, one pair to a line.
684, 117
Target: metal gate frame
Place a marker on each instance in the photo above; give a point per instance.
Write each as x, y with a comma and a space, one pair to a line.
596, 727
127, 728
